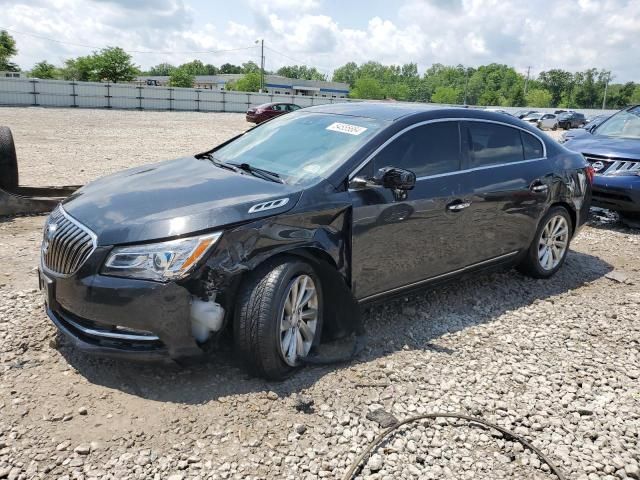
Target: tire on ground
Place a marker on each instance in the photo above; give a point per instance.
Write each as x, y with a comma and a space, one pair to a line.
257, 316
530, 265
8, 160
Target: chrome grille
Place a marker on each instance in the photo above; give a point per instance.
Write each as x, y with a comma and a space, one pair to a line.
66, 244
611, 166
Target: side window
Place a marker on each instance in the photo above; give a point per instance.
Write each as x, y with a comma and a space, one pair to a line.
493, 144
429, 149
532, 146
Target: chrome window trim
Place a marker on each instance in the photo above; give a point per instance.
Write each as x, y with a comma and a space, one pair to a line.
356, 170
94, 241
436, 277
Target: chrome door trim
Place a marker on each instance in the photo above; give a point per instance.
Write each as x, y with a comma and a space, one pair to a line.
356, 170
443, 275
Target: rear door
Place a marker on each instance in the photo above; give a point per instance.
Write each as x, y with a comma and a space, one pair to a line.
506, 184
399, 241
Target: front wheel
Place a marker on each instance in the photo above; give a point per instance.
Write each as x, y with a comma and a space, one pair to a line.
278, 317
550, 245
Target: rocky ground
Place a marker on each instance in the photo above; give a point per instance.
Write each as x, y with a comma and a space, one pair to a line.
555, 361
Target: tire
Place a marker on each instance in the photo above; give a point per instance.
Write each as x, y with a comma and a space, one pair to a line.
535, 264
8, 160
555, 127
260, 338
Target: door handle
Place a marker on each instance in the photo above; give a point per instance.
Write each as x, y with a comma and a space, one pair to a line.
539, 187
456, 207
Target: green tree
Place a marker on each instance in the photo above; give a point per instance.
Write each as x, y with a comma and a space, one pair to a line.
367, 88
162, 69
250, 67
7, 50
557, 82
194, 67
635, 96
347, 73
447, 95
44, 70
248, 83
301, 72
539, 97
82, 69
114, 65
230, 68
181, 77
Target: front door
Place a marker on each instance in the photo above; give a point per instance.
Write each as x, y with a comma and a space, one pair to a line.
399, 241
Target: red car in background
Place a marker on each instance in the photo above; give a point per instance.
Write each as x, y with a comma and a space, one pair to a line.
269, 110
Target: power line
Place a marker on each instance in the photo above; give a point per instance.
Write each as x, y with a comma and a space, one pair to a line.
326, 70
128, 51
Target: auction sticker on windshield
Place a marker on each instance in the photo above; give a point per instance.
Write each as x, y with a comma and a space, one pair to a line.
346, 128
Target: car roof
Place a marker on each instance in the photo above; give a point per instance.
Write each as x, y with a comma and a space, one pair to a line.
394, 111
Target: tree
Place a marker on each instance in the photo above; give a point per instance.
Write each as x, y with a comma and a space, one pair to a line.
82, 69
539, 97
248, 83
230, 68
250, 67
448, 95
181, 77
44, 70
7, 50
347, 73
635, 97
114, 65
301, 72
162, 69
194, 67
558, 82
367, 88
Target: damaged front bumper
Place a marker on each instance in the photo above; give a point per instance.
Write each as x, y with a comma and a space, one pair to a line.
120, 317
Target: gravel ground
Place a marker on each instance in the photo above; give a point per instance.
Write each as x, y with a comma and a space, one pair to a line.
556, 361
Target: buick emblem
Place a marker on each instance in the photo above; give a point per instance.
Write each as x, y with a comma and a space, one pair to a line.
597, 166
48, 236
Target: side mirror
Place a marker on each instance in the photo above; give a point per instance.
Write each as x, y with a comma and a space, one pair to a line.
396, 178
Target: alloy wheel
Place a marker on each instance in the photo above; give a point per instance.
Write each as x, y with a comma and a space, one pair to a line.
553, 243
298, 320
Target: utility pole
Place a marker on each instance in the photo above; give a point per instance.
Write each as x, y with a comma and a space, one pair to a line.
466, 84
604, 100
526, 82
261, 63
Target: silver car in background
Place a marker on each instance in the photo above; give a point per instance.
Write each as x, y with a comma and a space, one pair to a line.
544, 121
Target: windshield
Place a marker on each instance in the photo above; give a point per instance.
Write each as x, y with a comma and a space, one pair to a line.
300, 147
624, 124
534, 115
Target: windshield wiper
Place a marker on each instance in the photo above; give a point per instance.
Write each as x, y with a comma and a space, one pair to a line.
221, 164
259, 172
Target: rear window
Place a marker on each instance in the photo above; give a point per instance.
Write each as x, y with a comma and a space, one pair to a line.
532, 146
492, 144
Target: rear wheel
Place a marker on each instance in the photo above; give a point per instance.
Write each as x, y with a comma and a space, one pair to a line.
550, 245
8, 160
278, 318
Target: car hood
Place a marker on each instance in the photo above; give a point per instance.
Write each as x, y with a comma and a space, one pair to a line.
172, 198
605, 146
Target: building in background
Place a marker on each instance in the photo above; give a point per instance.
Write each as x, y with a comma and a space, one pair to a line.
274, 84
4, 74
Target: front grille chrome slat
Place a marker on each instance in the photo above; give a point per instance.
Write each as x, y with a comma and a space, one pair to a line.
66, 243
611, 166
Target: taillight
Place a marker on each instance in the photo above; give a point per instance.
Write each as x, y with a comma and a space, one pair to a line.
590, 173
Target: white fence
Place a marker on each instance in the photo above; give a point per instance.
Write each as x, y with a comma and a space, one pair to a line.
60, 93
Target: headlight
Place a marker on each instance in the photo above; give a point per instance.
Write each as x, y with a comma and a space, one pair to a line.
162, 261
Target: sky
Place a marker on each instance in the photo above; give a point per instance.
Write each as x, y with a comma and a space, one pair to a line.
541, 34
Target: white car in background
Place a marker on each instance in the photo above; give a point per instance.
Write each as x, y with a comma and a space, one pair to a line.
544, 121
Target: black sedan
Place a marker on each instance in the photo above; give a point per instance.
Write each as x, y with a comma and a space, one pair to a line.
613, 150
281, 234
